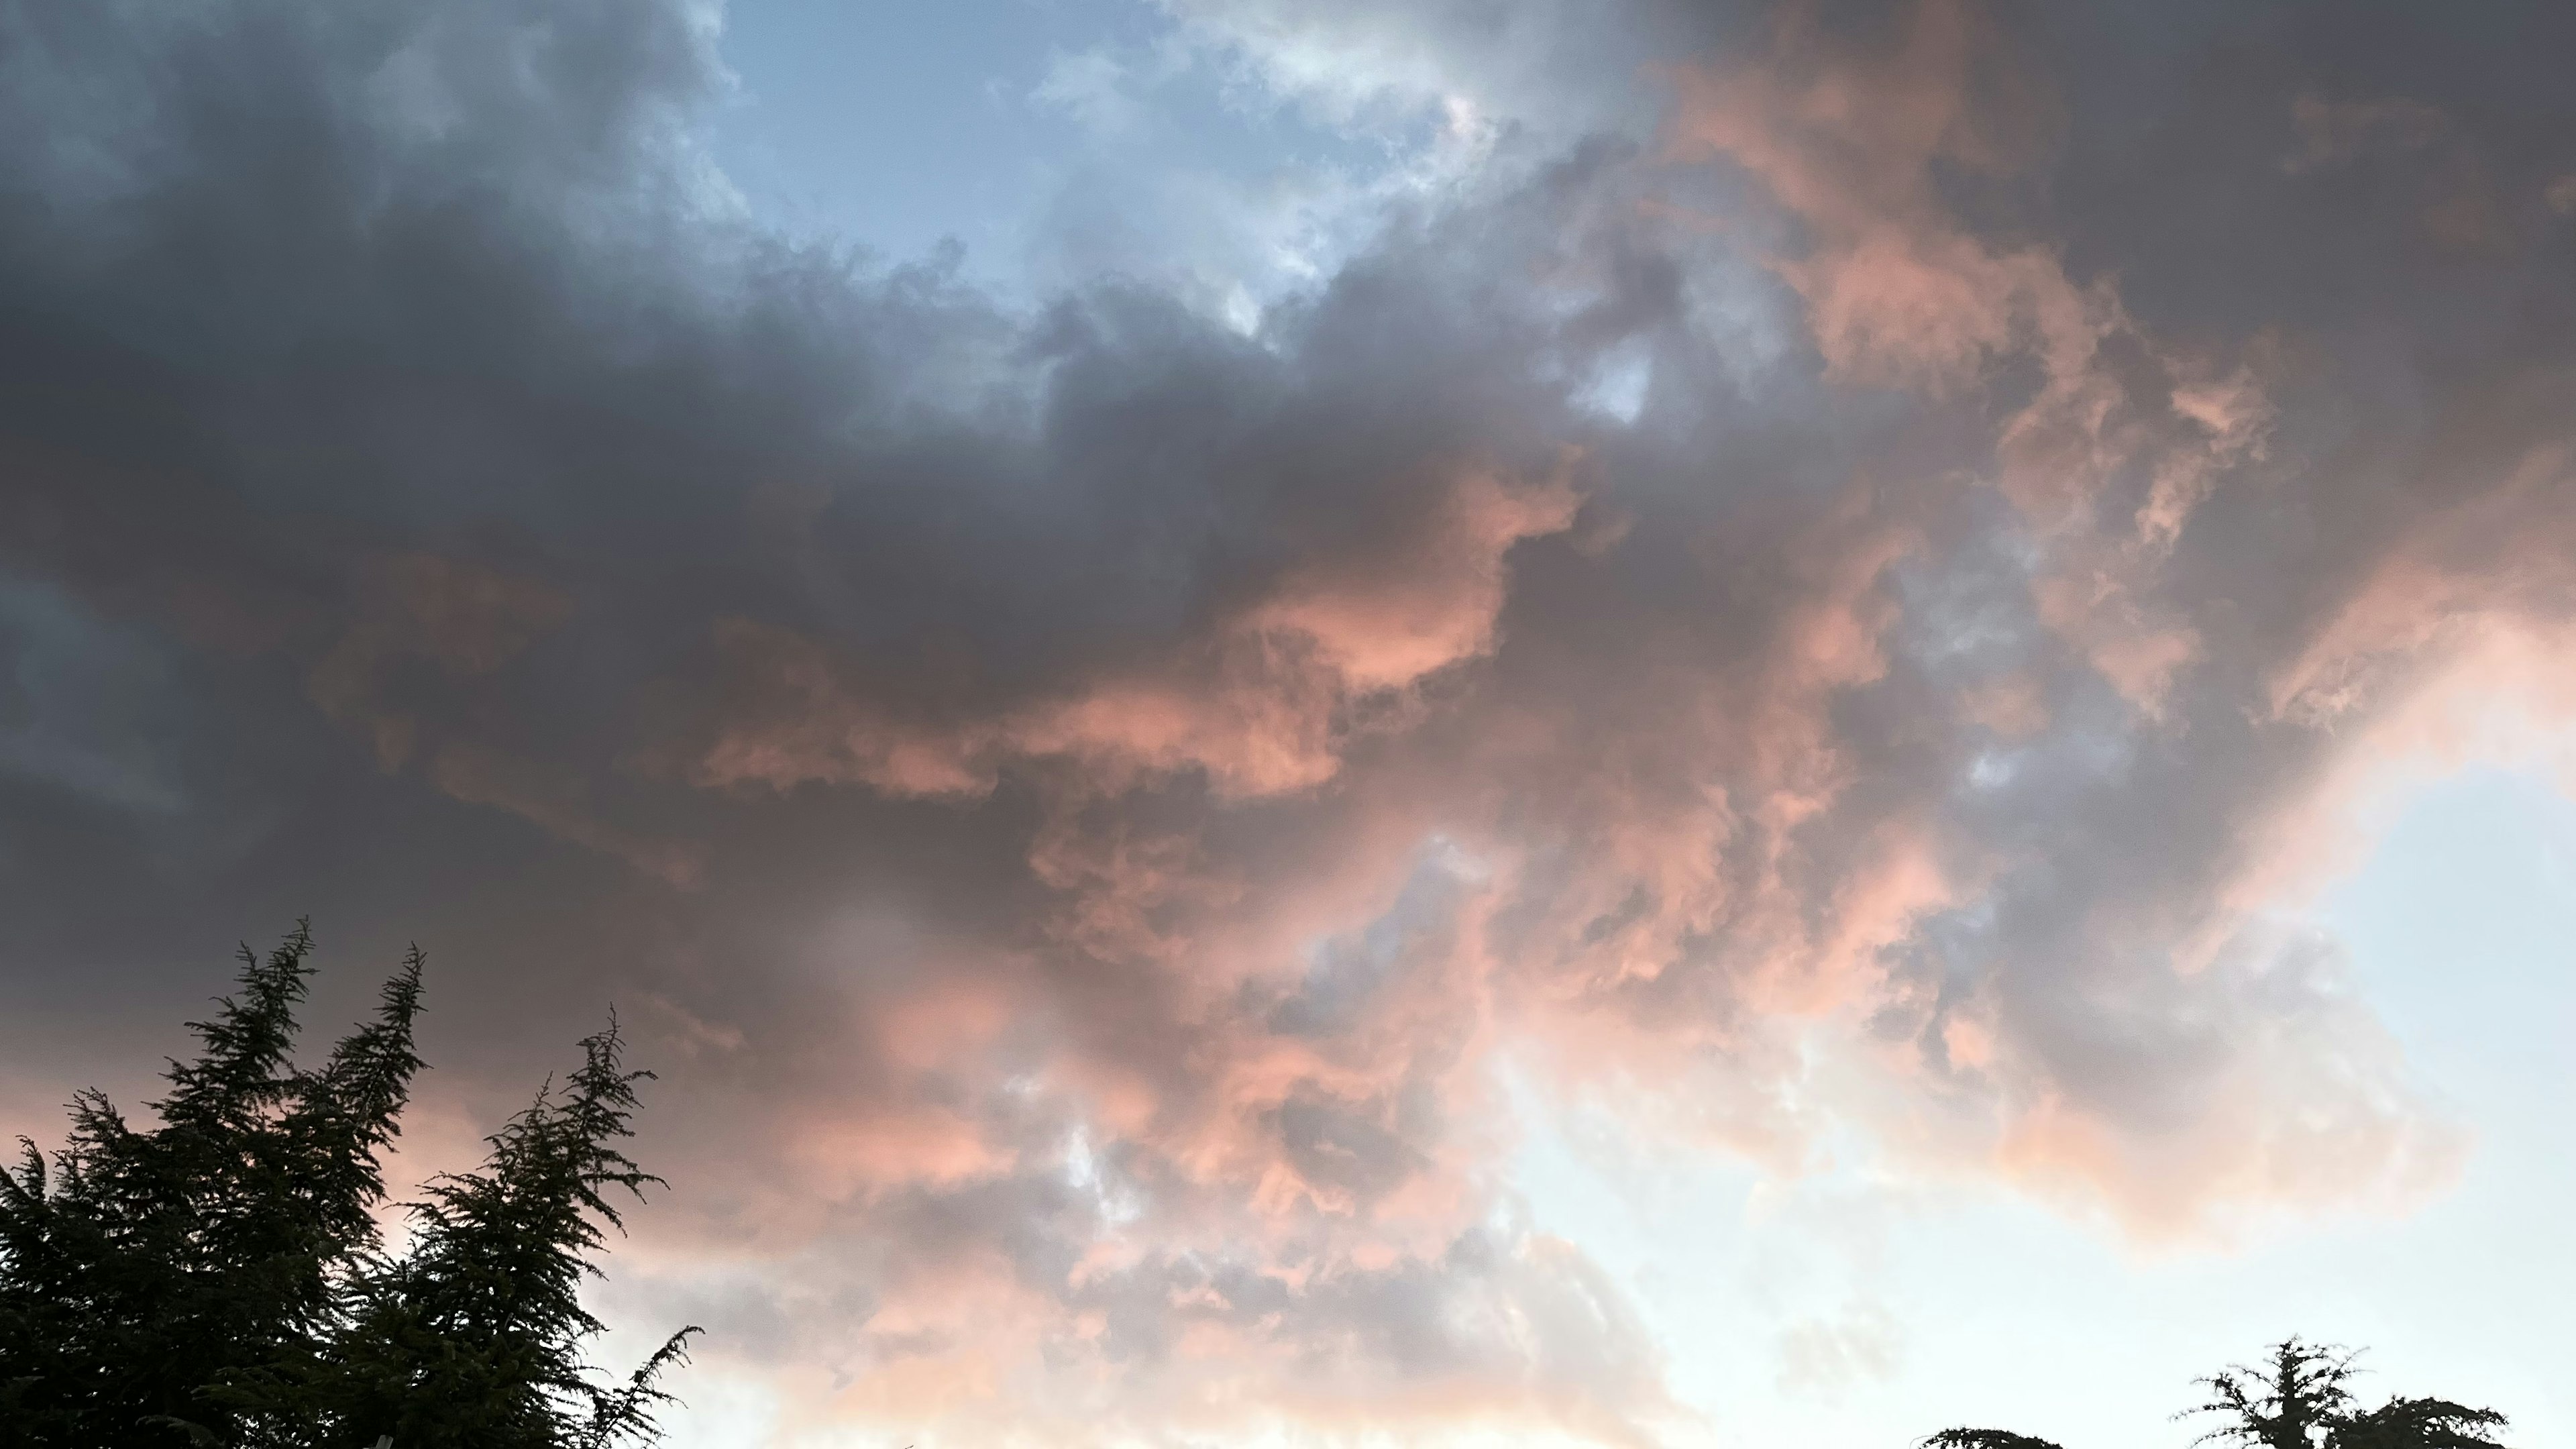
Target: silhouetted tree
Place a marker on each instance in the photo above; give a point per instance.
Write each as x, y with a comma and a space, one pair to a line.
2288, 1403
473, 1338
2419, 1424
151, 1268
219, 1279
2301, 1398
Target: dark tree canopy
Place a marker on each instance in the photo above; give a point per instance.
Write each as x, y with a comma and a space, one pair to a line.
1983, 1439
219, 1279
2295, 1396
2300, 1397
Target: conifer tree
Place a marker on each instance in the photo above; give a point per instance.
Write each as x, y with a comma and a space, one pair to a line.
2419, 1424
219, 1279
2301, 1398
2297, 1396
473, 1338
154, 1273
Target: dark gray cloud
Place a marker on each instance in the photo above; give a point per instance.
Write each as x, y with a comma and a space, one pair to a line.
1885, 541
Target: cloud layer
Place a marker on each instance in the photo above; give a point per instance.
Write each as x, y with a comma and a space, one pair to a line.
1836, 587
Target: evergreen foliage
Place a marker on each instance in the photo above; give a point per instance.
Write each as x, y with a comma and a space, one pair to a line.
2300, 1398
219, 1279
2298, 1395
473, 1336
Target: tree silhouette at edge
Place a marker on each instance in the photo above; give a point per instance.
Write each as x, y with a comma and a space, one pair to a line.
220, 1279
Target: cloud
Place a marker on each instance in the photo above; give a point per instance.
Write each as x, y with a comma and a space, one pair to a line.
2336, 131
1093, 795
1257, 704
1093, 88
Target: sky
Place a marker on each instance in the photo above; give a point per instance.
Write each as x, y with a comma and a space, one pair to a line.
1359, 723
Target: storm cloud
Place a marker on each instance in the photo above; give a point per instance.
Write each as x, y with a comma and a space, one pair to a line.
1842, 580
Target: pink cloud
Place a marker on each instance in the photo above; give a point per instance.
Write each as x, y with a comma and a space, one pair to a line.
1262, 704
1127, 815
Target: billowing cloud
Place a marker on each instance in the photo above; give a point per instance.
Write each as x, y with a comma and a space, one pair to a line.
1089, 806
